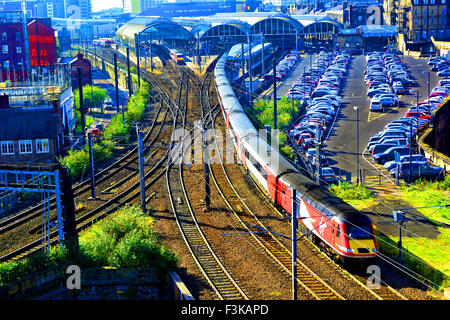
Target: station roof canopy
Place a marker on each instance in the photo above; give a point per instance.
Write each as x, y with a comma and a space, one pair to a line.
160, 28
378, 30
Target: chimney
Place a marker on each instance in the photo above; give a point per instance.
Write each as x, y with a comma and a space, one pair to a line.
4, 101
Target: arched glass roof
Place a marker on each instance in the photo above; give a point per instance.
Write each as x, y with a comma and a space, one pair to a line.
229, 29
159, 28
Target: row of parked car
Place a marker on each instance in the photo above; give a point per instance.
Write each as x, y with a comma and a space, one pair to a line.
320, 84
398, 135
284, 66
385, 76
440, 64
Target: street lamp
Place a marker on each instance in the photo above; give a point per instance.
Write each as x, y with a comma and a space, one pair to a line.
357, 143
428, 83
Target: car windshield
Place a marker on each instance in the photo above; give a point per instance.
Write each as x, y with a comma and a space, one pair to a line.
359, 232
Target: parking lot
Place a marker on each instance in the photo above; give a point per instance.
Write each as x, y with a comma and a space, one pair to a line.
341, 147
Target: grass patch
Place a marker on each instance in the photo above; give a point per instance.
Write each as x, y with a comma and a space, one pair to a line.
347, 191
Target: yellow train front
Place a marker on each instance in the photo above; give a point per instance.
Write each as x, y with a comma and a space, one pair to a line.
177, 56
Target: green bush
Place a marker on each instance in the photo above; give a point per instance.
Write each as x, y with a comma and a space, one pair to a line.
125, 239
95, 94
77, 161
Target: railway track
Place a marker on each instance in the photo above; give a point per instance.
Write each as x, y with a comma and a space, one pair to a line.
311, 285
126, 163
210, 265
309, 281
128, 195
384, 292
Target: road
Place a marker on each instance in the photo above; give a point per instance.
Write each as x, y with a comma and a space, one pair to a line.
341, 145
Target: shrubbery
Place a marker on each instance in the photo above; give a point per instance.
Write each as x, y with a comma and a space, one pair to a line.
78, 161
125, 239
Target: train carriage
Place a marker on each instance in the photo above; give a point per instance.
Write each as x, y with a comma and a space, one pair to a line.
339, 228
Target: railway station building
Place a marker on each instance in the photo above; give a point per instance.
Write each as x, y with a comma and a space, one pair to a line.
212, 34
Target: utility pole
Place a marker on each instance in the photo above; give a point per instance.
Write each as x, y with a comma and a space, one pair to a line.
69, 224
138, 57
129, 73
250, 68
151, 53
274, 94
262, 54
357, 144
82, 111
294, 244
116, 78
206, 170
318, 154
243, 59
140, 136
91, 156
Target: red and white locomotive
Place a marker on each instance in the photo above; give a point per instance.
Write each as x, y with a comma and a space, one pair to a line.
337, 227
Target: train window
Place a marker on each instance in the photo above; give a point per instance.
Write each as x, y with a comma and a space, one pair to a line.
359, 232
338, 233
283, 190
260, 168
247, 154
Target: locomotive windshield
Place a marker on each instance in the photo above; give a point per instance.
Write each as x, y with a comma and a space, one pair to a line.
359, 232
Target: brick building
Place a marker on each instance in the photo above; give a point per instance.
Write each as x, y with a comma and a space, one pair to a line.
12, 47
30, 135
86, 71
42, 43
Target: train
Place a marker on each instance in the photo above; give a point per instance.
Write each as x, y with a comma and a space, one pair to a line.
343, 232
103, 42
177, 56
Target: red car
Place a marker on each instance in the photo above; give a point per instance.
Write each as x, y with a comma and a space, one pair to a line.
95, 131
419, 115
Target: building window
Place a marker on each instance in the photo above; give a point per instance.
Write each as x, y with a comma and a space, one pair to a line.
425, 1
432, 12
416, 35
25, 146
443, 10
19, 50
416, 13
443, 2
5, 48
416, 2
425, 11
416, 22
425, 21
433, 33
6, 64
7, 147
4, 36
42, 146
424, 34
431, 20
432, 1
18, 36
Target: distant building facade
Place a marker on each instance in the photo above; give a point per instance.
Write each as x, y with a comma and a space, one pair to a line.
419, 20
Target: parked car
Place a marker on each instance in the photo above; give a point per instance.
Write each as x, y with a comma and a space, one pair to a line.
416, 158
419, 171
329, 176
389, 154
